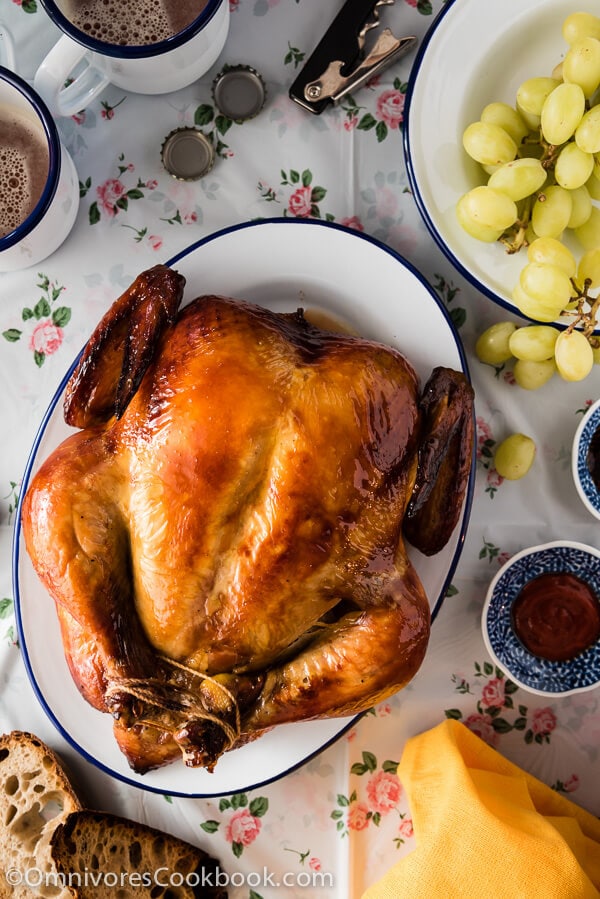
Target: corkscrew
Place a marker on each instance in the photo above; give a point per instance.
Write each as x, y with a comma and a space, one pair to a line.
340, 63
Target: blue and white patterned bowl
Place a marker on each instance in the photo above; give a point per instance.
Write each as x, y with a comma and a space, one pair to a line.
589, 493
530, 672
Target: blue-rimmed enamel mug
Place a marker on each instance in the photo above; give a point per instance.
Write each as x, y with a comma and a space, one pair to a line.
82, 64
39, 187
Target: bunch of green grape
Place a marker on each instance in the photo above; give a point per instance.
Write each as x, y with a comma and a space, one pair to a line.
541, 160
538, 352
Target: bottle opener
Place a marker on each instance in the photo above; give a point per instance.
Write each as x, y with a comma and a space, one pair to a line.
339, 65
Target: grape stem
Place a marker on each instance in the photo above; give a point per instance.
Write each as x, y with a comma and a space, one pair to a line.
550, 154
549, 151
514, 238
586, 317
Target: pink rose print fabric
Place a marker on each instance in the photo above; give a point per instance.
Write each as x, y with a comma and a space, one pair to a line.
300, 202
241, 822
390, 108
358, 816
109, 195
383, 791
43, 322
46, 338
242, 828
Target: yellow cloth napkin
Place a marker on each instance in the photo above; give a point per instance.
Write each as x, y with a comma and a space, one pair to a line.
486, 829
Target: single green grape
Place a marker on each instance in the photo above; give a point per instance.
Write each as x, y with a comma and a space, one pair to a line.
514, 456
533, 375
534, 343
551, 211
534, 308
574, 355
492, 346
522, 177
551, 251
485, 213
578, 25
592, 185
581, 207
589, 268
581, 65
489, 144
588, 234
573, 167
587, 133
546, 283
531, 96
562, 112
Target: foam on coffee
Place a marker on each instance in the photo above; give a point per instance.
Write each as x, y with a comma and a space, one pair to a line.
131, 24
24, 165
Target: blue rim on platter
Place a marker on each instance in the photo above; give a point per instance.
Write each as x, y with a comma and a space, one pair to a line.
587, 489
527, 670
296, 234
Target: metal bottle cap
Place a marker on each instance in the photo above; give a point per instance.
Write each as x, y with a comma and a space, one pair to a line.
187, 154
239, 92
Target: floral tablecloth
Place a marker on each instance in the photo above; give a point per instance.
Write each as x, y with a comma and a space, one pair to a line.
334, 825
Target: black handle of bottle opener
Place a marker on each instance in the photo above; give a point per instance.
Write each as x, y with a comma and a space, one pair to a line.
340, 41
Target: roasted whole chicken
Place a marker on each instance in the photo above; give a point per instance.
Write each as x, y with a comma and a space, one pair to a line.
223, 535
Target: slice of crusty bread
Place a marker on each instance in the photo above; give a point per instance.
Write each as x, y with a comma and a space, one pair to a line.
102, 856
35, 795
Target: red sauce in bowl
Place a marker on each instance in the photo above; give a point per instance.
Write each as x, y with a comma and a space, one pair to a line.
556, 616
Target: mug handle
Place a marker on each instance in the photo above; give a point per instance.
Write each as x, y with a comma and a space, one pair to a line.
7, 48
57, 69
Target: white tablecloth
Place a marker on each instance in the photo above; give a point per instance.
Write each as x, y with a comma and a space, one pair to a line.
343, 814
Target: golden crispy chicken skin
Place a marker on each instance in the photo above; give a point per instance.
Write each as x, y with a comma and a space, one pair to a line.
223, 535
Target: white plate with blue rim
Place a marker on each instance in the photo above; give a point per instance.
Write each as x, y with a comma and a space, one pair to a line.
281, 264
531, 671
474, 53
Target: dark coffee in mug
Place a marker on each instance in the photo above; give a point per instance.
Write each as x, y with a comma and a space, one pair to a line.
131, 24
24, 167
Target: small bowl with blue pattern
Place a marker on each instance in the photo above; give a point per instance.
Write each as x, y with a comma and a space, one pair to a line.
585, 459
541, 618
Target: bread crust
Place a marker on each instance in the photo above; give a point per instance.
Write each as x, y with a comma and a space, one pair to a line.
36, 793
98, 852
51, 841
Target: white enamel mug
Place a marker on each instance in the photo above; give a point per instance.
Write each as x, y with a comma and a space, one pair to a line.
87, 65
50, 221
